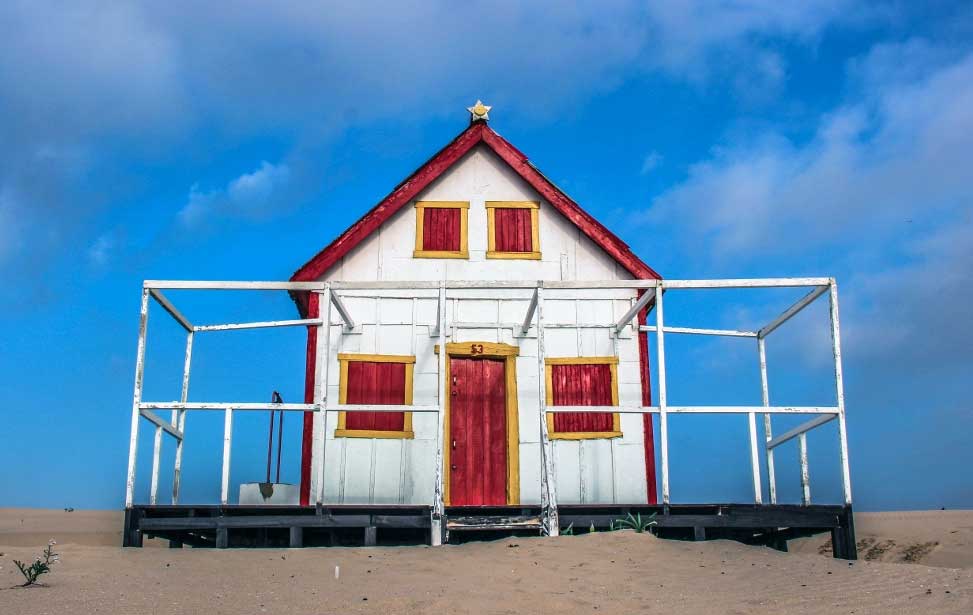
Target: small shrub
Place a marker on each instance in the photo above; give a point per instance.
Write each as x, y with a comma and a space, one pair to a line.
568, 531
39, 567
636, 523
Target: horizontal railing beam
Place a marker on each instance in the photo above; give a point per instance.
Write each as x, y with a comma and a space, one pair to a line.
231, 285
803, 428
192, 405
167, 306
826, 410
792, 311
259, 325
166, 426
380, 408
695, 331
746, 283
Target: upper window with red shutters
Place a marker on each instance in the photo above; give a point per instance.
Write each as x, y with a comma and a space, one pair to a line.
583, 381
379, 380
442, 229
512, 230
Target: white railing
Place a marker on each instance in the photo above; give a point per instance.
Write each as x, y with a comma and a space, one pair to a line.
329, 297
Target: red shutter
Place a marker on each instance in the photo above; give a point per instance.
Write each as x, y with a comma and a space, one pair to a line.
375, 383
441, 229
582, 385
513, 230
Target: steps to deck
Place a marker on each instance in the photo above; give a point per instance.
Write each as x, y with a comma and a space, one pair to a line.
474, 523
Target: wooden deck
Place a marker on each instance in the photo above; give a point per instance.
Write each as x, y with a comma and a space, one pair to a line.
298, 526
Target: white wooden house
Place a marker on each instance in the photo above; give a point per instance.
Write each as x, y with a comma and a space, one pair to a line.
478, 210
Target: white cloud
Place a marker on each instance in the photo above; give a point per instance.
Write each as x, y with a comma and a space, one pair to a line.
99, 253
651, 161
880, 196
251, 195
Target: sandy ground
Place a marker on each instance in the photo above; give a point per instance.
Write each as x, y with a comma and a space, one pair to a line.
618, 572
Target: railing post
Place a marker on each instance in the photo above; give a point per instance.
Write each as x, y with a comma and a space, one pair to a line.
137, 399
322, 363
438, 507
179, 418
156, 454
768, 429
552, 523
227, 448
663, 418
754, 458
839, 390
805, 477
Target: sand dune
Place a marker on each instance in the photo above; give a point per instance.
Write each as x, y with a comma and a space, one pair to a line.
618, 572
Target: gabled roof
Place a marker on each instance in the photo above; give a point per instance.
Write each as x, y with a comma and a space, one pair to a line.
478, 132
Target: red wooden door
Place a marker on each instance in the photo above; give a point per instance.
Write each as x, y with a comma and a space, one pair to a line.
477, 433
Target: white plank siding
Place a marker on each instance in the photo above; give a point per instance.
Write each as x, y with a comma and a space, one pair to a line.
402, 471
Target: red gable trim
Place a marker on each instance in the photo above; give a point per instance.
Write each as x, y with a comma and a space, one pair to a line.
478, 132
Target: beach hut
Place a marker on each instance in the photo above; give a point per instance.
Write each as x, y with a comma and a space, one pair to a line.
477, 359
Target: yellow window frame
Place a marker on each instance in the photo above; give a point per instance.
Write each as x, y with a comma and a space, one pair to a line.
464, 225
343, 360
612, 362
535, 239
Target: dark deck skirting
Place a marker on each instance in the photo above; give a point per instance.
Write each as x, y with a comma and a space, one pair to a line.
297, 526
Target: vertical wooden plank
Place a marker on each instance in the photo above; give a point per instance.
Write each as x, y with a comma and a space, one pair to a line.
436, 527
548, 475
137, 399
156, 454
840, 391
663, 417
321, 365
754, 458
227, 446
179, 418
805, 478
768, 428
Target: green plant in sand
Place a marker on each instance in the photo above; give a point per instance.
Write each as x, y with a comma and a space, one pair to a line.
40, 566
635, 522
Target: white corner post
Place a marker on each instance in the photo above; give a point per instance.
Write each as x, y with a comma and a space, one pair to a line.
551, 519
663, 417
156, 455
438, 507
227, 448
839, 390
179, 418
137, 399
322, 362
768, 428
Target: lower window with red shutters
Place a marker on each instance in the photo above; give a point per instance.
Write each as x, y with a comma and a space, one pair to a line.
582, 381
379, 380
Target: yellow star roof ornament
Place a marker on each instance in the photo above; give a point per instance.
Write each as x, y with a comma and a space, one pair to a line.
479, 112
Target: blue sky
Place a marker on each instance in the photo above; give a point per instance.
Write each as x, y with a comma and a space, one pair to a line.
718, 139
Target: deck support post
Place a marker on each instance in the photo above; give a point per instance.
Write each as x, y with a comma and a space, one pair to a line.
699, 533
222, 538
768, 429
296, 537
663, 418
549, 514
371, 536
137, 399
322, 363
840, 391
179, 418
438, 507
